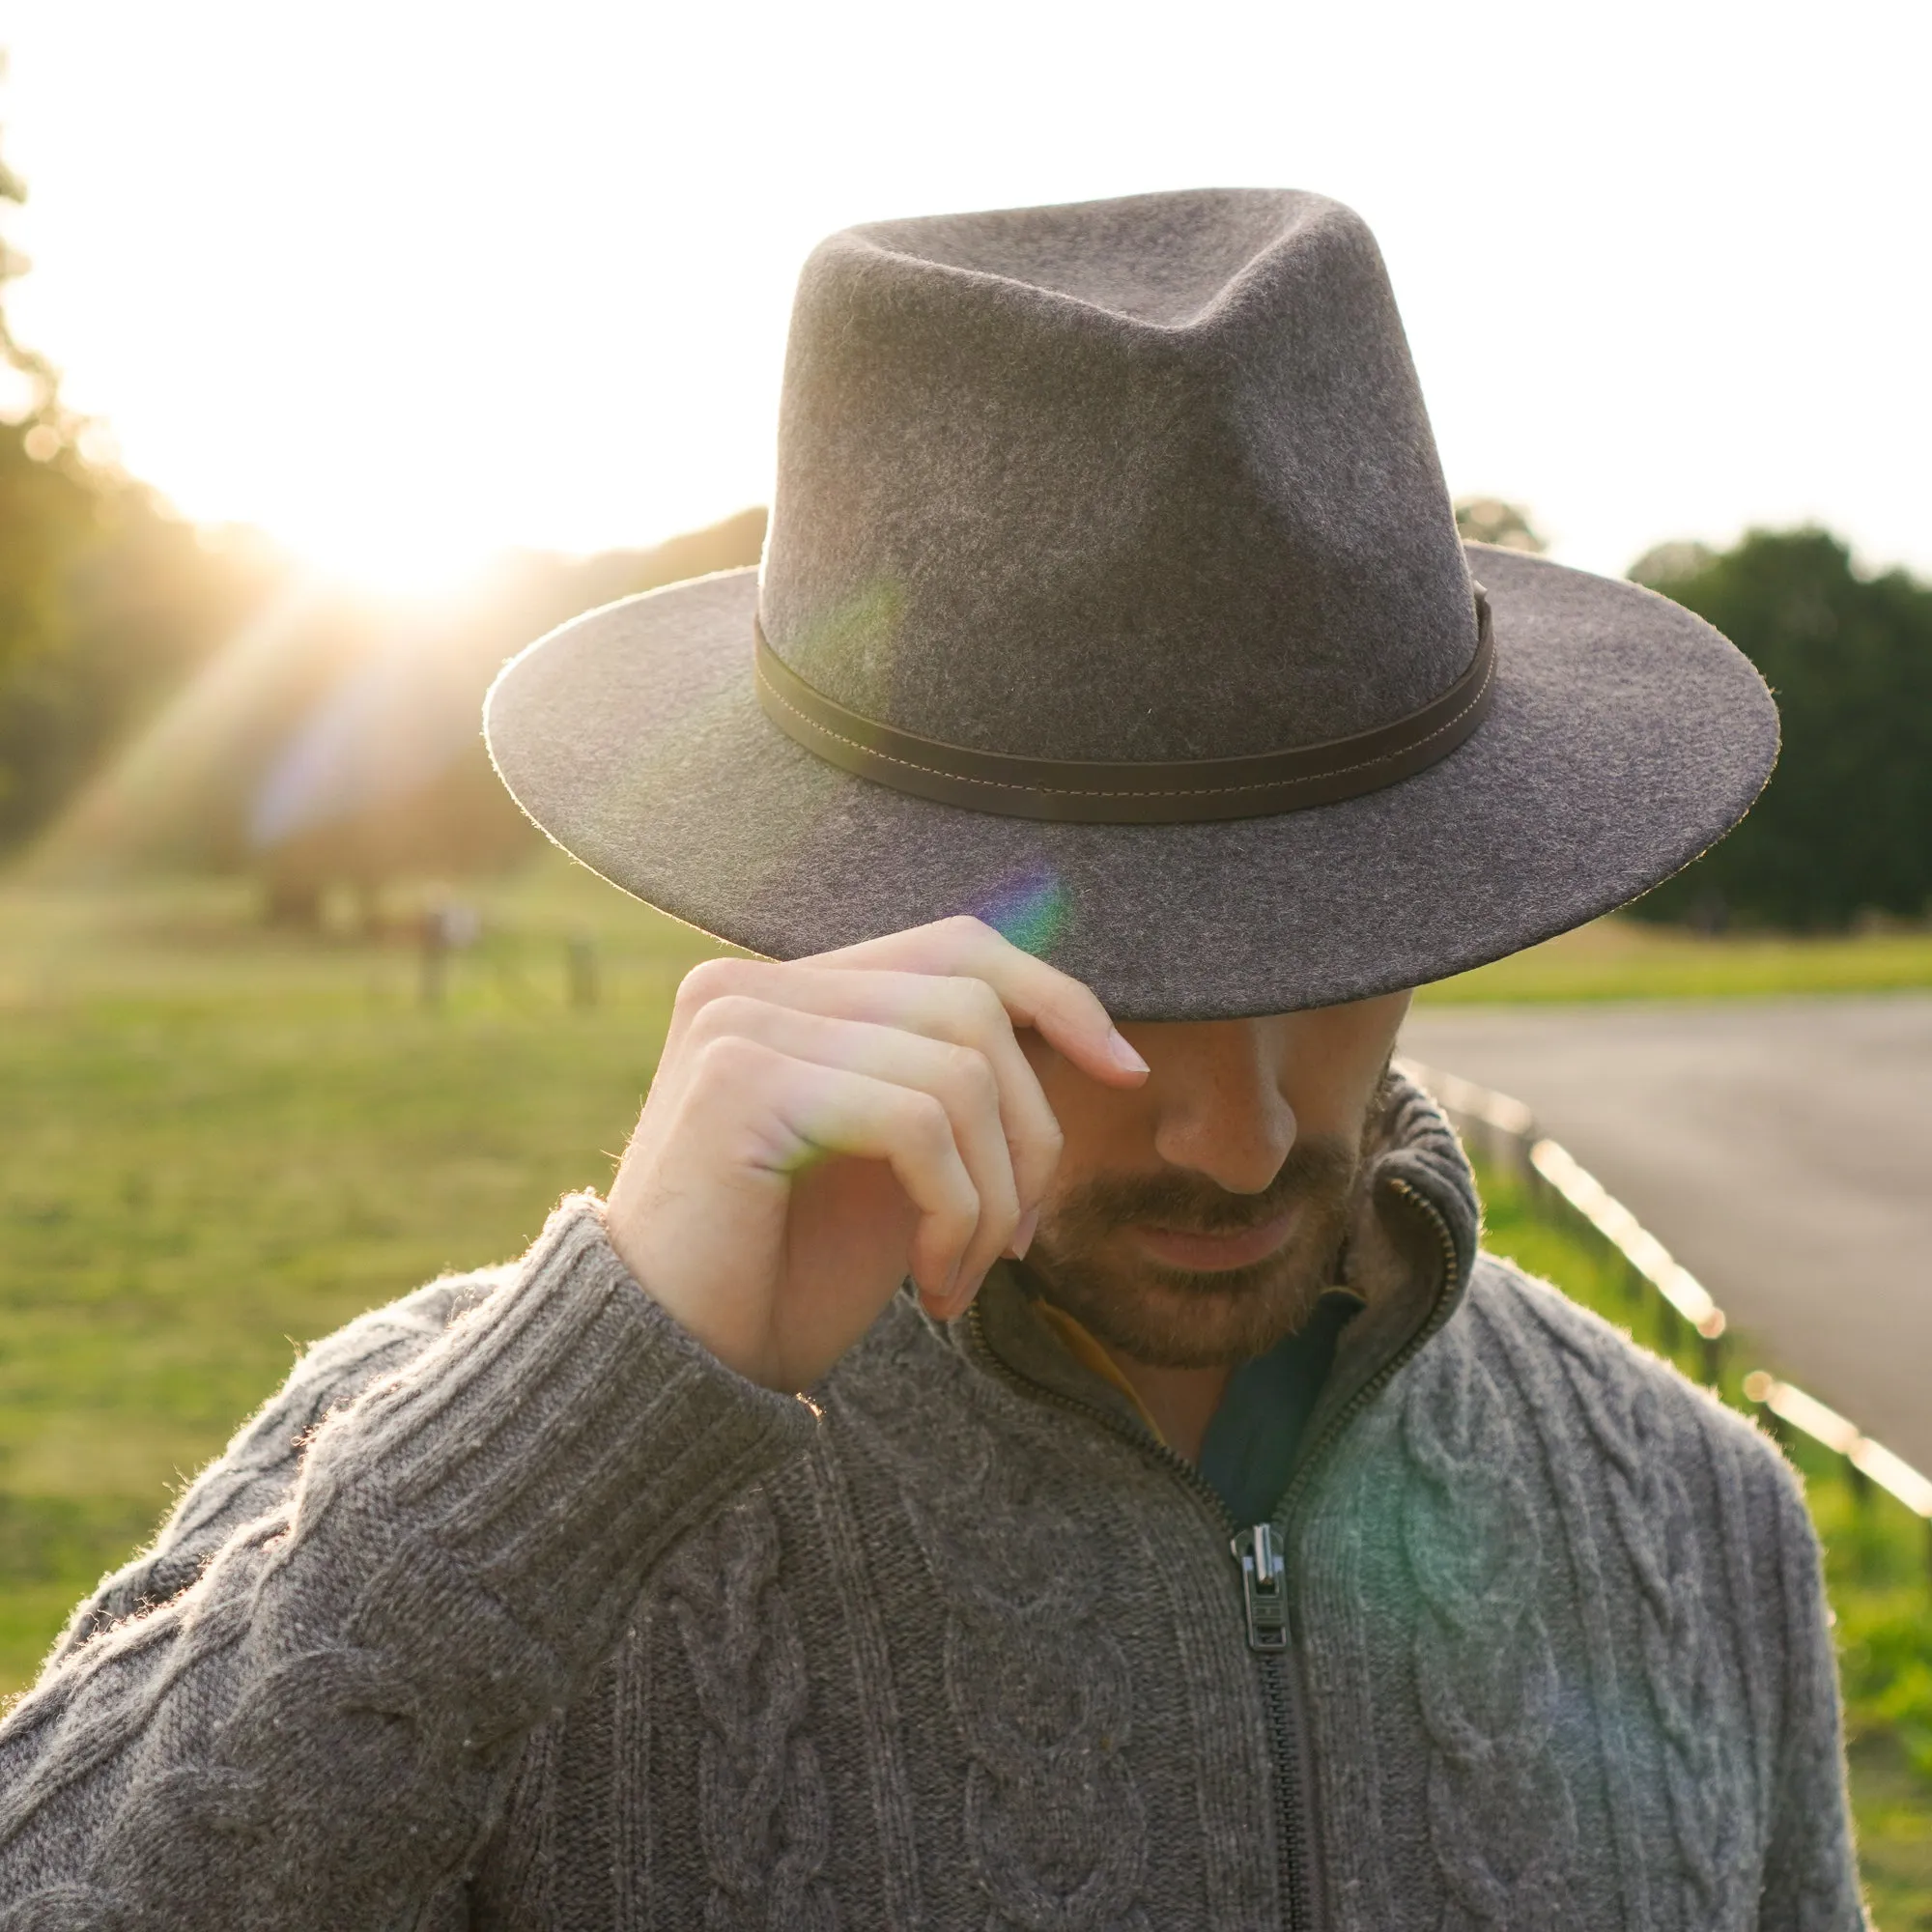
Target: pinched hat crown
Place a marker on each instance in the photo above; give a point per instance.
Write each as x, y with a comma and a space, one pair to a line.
1144, 482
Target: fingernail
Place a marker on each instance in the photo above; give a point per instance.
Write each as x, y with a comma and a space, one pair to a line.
1023, 1234
1124, 1054
953, 1303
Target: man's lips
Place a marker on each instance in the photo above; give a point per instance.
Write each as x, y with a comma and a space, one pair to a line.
1209, 1254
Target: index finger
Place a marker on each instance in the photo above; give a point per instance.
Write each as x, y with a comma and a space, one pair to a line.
1065, 1014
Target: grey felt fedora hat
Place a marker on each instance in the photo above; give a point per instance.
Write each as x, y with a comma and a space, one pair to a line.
1113, 593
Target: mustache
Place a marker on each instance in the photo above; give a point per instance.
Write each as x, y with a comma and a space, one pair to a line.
1322, 1168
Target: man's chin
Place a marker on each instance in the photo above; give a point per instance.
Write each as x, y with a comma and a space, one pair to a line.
1174, 1320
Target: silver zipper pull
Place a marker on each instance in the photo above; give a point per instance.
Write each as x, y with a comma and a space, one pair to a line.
1263, 1586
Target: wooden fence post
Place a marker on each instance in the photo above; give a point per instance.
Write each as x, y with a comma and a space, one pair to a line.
581, 965
433, 936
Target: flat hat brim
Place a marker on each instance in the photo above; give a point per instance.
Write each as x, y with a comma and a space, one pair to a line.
1625, 737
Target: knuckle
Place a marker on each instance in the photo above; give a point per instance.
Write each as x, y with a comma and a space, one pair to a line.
730, 1014
727, 1059
926, 1119
1077, 1010
709, 980
970, 1074
982, 1006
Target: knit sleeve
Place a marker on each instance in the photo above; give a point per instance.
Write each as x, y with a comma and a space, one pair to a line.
255, 1475
1811, 1881
414, 1557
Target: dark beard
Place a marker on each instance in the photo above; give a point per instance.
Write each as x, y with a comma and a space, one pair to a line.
1176, 1318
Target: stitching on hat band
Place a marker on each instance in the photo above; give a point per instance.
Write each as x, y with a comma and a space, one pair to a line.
1100, 791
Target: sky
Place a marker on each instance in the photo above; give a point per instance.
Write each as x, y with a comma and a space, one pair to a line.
404, 283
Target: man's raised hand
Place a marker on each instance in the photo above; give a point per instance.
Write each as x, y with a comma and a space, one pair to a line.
819, 1130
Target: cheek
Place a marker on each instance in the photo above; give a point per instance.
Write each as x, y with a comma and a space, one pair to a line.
1369, 1028
1381, 1022
1101, 1129
1332, 1060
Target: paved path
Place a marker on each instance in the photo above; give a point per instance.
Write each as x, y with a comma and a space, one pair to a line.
1782, 1150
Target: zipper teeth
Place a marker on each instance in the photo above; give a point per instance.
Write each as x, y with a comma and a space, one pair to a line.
1290, 1810
1292, 1817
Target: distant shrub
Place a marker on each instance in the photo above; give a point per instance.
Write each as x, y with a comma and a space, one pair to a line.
1844, 828
1491, 520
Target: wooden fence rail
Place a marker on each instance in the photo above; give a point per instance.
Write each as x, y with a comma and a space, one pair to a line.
1503, 1131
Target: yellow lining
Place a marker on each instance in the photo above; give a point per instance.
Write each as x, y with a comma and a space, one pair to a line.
1089, 1354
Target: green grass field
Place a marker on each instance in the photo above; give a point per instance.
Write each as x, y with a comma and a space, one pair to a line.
217, 1145
1628, 959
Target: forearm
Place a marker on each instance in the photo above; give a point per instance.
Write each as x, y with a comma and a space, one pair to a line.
317, 1731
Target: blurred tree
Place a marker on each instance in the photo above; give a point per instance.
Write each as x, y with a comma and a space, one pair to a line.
305, 736
1844, 828
106, 599
130, 601
47, 510
1667, 563
332, 742
383, 775
1490, 520
47, 524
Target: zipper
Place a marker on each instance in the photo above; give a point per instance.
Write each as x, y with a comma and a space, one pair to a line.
1260, 1553
1272, 1648
1264, 1587
1271, 1637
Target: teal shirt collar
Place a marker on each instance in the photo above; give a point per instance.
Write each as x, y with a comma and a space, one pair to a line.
1250, 1444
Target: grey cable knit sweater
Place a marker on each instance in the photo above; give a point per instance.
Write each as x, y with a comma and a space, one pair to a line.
516, 1609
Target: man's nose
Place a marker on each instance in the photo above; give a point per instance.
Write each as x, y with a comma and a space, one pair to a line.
1220, 1107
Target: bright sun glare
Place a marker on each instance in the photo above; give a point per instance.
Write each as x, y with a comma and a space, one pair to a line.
391, 557
404, 286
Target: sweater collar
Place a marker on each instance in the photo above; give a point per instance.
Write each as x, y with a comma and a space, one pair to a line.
1411, 1243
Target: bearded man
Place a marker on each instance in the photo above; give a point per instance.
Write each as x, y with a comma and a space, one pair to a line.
1031, 1439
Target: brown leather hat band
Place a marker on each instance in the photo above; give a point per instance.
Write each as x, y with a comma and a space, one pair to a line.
1089, 791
